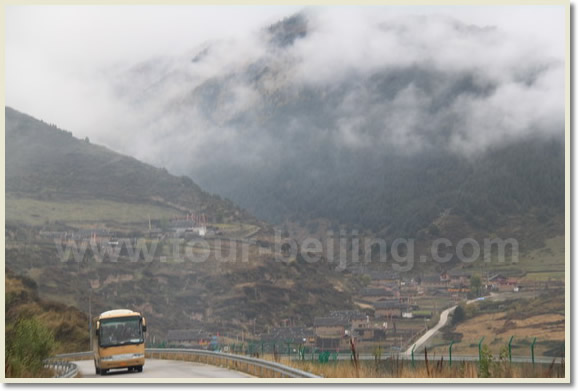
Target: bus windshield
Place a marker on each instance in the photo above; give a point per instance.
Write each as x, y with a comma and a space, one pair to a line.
120, 331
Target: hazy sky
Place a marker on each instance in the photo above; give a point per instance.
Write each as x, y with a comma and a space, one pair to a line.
64, 64
54, 52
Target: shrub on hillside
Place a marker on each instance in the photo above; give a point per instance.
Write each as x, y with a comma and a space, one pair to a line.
28, 344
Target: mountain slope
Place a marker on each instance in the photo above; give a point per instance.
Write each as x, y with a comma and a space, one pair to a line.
71, 185
373, 142
46, 163
67, 324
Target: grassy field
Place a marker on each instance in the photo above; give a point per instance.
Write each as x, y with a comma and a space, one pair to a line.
37, 212
542, 318
548, 259
544, 276
237, 230
435, 368
496, 330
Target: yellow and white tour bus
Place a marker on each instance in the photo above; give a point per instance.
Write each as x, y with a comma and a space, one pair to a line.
119, 341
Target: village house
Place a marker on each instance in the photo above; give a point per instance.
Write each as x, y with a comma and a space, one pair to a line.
183, 227
445, 277
376, 294
330, 326
330, 333
459, 278
389, 309
359, 322
502, 283
300, 335
346, 314
382, 278
189, 338
434, 281
369, 334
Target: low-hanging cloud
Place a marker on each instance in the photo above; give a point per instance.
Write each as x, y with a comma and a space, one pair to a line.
339, 78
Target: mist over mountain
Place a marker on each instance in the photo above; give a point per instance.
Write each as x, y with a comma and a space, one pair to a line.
371, 119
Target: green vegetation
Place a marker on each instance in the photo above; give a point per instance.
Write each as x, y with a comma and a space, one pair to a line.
38, 212
36, 329
28, 344
476, 285
459, 315
67, 324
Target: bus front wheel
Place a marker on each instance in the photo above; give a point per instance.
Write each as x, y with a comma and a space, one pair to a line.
139, 368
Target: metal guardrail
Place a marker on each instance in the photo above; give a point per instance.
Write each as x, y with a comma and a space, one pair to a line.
255, 366
251, 365
62, 369
247, 364
76, 356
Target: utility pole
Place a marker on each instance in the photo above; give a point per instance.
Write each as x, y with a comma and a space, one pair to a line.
90, 316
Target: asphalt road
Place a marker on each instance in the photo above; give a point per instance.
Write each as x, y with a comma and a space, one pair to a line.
163, 369
430, 333
442, 322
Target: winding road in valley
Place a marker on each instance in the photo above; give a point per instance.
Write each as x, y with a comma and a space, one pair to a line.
442, 322
431, 332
